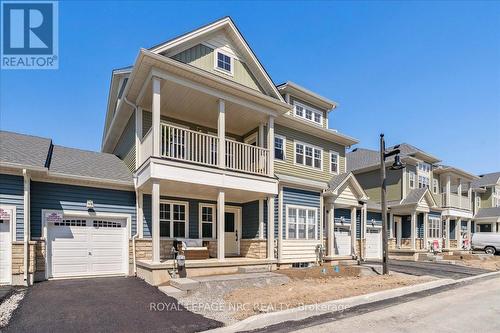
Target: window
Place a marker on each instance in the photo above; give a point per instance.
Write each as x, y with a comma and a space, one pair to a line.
435, 186
173, 219
478, 201
207, 221
424, 174
423, 182
334, 162
308, 155
224, 62
279, 147
301, 222
412, 179
308, 113
434, 227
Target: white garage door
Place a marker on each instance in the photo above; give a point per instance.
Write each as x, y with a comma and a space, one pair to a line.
373, 243
5, 252
87, 247
342, 241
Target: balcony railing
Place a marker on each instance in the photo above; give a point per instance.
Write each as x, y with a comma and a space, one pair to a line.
455, 201
190, 146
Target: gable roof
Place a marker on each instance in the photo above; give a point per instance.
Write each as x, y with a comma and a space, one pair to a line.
31, 152
489, 179
226, 24
337, 181
307, 95
416, 195
486, 213
23, 150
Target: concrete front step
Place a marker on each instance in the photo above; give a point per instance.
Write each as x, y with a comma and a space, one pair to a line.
350, 262
254, 269
184, 284
172, 291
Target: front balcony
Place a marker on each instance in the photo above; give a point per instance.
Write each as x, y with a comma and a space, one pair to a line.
453, 200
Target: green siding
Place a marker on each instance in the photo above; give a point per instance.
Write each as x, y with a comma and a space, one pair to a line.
288, 166
202, 56
370, 181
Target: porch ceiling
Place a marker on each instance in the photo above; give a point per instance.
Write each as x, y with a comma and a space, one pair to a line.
187, 104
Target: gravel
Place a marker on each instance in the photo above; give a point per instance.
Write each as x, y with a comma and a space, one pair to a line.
208, 299
9, 305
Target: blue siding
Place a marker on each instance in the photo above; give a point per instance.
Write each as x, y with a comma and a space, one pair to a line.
250, 218
146, 211
71, 197
12, 194
293, 196
452, 229
265, 219
342, 213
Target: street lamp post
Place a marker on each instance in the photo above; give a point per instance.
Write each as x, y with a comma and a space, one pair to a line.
397, 165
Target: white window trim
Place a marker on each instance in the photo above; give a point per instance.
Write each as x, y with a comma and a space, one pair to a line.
307, 208
410, 174
295, 143
435, 186
436, 221
295, 103
284, 147
200, 222
216, 52
330, 162
186, 227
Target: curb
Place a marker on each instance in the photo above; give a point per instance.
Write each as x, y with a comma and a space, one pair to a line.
296, 314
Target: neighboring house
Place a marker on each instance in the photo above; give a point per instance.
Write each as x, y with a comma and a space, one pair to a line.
487, 202
427, 202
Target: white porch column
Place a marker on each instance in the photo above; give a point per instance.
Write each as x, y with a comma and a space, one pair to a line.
399, 233
261, 135
261, 219
469, 194
413, 230
138, 137
448, 191
459, 193
155, 212
426, 229
469, 233
321, 217
280, 222
221, 133
270, 145
140, 214
447, 232
391, 225
353, 231
155, 109
26, 225
330, 227
270, 227
458, 232
220, 224
364, 215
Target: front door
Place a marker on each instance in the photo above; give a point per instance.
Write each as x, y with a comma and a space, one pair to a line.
5, 251
232, 231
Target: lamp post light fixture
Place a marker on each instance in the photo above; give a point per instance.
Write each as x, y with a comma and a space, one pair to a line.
397, 165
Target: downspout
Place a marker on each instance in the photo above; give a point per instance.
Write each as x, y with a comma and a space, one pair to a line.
26, 225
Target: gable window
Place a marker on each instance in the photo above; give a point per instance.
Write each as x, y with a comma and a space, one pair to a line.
173, 219
279, 147
334, 162
224, 62
412, 179
435, 186
308, 113
207, 221
308, 155
301, 222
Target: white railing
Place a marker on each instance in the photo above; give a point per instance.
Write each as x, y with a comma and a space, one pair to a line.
454, 200
247, 158
465, 203
187, 145
146, 149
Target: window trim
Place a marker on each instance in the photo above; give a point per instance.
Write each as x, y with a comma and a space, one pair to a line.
284, 147
222, 70
307, 209
186, 226
435, 221
200, 222
410, 174
332, 152
435, 186
313, 110
295, 143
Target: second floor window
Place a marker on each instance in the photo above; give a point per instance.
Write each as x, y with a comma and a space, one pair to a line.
435, 186
423, 182
308, 113
308, 155
279, 148
334, 162
412, 179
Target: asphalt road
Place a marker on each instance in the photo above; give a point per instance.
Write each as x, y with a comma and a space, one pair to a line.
440, 270
114, 304
470, 308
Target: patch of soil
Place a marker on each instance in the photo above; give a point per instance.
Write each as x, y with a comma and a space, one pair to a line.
320, 272
310, 286
489, 264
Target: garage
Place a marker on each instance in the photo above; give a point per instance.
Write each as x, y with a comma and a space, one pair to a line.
373, 239
80, 247
5, 251
342, 241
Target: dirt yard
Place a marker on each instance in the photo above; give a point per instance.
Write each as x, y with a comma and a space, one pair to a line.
490, 262
314, 285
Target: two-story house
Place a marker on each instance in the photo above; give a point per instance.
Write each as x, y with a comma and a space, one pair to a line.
429, 203
486, 203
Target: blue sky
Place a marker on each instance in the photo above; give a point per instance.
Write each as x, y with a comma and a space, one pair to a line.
426, 73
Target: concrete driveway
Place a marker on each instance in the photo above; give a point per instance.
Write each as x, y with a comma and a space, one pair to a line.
114, 304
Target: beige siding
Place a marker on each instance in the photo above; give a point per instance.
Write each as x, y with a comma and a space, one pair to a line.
202, 56
486, 198
370, 181
288, 166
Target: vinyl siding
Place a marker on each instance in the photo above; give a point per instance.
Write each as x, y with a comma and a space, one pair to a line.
74, 198
202, 56
250, 225
288, 166
486, 198
12, 194
125, 148
370, 181
293, 99
299, 197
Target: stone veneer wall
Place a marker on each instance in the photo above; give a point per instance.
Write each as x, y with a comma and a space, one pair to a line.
253, 248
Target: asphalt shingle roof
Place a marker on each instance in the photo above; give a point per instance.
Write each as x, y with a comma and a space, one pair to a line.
26, 150
486, 180
414, 196
488, 212
336, 180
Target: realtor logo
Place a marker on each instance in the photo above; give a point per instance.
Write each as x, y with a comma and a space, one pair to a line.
29, 35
